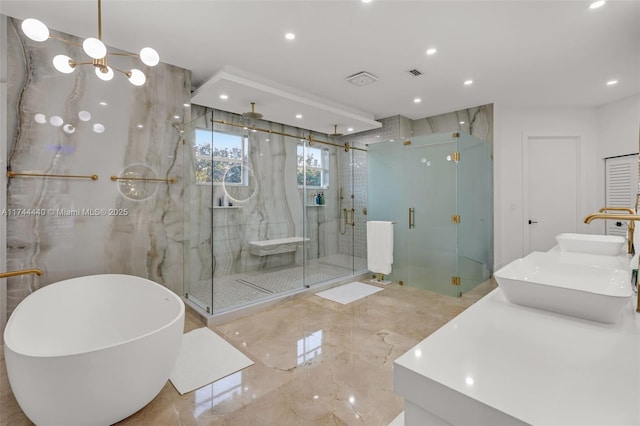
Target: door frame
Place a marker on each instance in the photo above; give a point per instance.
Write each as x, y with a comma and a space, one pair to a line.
526, 137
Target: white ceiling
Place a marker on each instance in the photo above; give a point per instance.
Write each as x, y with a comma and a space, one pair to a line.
530, 53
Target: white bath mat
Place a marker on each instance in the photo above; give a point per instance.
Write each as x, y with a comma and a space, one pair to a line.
398, 421
348, 293
205, 357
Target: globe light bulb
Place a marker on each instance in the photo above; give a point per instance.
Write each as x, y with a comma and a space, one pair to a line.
106, 76
35, 30
40, 118
149, 56
69, 128
136, 77
84, 115
63, 64
94, 48
56, 120
98, 128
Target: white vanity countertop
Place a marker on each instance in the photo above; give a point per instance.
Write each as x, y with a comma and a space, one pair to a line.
535, 366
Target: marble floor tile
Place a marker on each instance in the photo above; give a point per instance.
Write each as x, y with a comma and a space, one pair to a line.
316, 363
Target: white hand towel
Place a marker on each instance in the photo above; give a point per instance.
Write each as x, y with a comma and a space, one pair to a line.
379, 246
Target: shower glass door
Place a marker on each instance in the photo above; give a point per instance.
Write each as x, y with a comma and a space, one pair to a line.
431, 198
475, 207
329, 233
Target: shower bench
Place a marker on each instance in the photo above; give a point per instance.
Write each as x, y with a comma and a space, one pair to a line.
275, 246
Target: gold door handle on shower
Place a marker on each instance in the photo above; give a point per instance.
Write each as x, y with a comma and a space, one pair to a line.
412, 214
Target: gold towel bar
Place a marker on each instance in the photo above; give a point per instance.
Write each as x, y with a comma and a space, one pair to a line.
170, 180
14, 174
23, 272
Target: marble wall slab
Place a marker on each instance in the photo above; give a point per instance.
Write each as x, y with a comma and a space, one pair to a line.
75, 227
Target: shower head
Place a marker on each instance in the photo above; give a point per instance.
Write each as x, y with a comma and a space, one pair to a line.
252, 115
335, 131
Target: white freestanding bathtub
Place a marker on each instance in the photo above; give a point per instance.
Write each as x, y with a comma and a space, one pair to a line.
92, 350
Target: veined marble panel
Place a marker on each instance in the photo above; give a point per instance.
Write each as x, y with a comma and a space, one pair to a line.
74, 227
476, 121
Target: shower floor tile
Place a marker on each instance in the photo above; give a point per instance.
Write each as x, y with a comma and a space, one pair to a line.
240, 289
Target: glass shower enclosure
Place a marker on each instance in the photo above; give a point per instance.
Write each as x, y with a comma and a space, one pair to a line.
438, 190
269, 213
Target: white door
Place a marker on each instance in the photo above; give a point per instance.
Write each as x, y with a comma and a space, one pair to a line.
551, 189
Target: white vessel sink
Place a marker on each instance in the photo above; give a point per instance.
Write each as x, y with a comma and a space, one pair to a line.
621, 261
609, 245
544, 281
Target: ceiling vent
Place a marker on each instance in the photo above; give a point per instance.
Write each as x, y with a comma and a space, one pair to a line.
362, 78
415, 72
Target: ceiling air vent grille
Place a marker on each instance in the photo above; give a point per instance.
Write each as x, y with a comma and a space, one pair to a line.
415, 72
362, 78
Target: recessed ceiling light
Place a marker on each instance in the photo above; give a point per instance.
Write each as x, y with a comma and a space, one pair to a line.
298, 115
103, 103
417, 100
290, 36
350, 129
366, 1
224, 97
597, 4
612, 82
185, 104
140, 126
431, 51
462, 122
176, 117
468, 82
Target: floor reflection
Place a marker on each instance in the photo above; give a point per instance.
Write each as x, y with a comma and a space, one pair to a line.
218, 392
309, 347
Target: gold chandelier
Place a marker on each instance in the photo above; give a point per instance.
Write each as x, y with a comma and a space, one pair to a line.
95, 48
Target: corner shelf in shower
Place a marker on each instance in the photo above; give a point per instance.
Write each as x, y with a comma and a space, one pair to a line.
225, 207
316, 205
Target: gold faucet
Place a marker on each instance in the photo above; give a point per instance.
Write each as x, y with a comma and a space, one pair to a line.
23, 272
618, 209
632, 226
631, 218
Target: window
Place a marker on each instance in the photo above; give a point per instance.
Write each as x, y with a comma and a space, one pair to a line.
221, 158
316, 162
